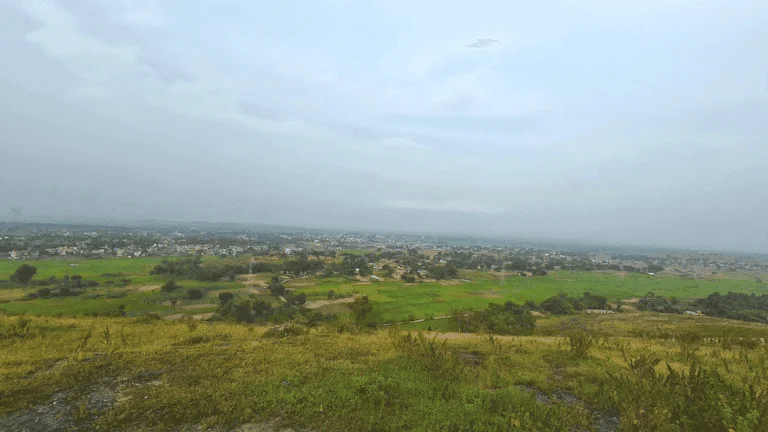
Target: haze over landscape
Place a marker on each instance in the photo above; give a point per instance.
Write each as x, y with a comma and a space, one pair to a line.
588, 120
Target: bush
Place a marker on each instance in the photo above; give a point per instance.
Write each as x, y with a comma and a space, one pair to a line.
285, 330
147, 318
170, 286
19, 329
689, 343
698, 398
579, 343
195, 294
508, 319
433, 356
361, 307
246, 310
225, 297
24, 274
558, 305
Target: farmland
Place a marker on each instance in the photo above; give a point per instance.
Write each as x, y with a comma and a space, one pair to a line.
393, 300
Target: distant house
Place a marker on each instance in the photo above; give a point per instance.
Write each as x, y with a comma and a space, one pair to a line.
375, 278
599, 311
692, 313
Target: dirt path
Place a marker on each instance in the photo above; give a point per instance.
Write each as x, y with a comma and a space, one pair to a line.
178, 316
198, 306
320, 303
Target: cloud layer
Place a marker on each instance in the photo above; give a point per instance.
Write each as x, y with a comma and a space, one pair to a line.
585, 119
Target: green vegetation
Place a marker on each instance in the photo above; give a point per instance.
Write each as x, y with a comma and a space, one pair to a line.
736, 306
158, 375
23, 274
127, 281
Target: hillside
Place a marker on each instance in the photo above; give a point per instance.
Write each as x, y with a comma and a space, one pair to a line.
603, 373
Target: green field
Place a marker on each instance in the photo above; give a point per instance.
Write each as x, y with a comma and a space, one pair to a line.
135, 300
393, 300
99, 270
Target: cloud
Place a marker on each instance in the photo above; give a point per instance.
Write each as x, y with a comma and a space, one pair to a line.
445, 206
402, 143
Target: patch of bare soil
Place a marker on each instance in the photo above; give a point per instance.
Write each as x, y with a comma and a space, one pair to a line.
451, 282
173, 317
197, 306
300, 283
485, 294
320, 303
146, 288
57, 414
603, 422
54, 415
204, 316
275, 425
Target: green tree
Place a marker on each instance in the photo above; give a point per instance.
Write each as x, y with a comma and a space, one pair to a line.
225, 297
24, 274
361, 307
194, 294
170, 286
275, 287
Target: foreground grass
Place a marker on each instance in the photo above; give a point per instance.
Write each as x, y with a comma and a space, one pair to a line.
174, 375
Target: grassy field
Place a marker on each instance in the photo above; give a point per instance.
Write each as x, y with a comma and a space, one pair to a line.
393, 300
123, 374
100, 270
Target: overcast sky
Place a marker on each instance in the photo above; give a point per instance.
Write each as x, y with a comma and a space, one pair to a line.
592, 120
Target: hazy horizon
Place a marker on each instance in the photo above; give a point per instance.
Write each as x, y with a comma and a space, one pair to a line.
583, 120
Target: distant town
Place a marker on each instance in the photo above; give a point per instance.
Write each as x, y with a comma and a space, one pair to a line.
48, 241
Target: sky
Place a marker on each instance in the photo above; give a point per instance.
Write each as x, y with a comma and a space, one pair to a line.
611, 122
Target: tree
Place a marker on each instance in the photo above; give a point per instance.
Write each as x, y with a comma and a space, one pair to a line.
78, 280
558, 305
225, 297
388, 270
170, 286
463, 319
298, 300
194, 294
24, 274
361, 307
275, 287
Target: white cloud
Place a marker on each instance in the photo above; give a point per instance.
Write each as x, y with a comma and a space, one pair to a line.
443, 206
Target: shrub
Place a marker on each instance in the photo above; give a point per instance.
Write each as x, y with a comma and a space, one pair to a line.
190, 322
361, 307
170, 286
285, 330
225, 297
195, 294
689, 343
579, 343
24, 274
147, 318
433, 356
696, 399
19, 329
